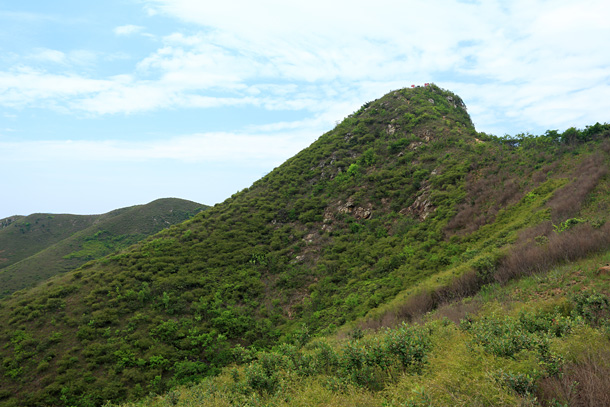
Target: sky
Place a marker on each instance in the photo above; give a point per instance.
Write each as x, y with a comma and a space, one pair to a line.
108, 104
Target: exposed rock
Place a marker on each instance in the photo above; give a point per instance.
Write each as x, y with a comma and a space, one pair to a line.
415, 145
6, 222
362, 213
422, 207
425, 135
431, 101
310, 238
348, 207
357, 212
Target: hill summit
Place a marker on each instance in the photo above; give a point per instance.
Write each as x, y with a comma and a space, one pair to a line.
399, 208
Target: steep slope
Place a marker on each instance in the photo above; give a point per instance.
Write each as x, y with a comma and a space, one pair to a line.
42, 245
402, 196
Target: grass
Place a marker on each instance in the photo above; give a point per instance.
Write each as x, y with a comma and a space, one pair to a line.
563, 360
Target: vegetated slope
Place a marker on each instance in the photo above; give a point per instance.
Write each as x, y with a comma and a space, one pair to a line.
42, 245
543, 340
23, 236
372, 215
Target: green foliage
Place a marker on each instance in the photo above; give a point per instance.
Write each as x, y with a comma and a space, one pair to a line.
522, 383
446, 365
365, 215
563, 226
507, 336
594, 307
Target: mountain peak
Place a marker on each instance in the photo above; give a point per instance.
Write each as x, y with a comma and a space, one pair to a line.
427, 96
419, 112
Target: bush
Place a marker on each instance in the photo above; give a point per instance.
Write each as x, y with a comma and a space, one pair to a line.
263, 376
369, 362
593, 307
409, 343
521, 383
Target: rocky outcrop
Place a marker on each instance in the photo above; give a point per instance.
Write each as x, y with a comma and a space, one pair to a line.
422, 207
357, 212
7, 221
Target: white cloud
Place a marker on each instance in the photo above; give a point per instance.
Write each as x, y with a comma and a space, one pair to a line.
128, 29
53, 56
541, 49
83, 57
27, 86
520, 57
208, 147
49, 55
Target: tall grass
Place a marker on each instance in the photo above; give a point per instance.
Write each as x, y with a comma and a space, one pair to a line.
582, 384
529, 258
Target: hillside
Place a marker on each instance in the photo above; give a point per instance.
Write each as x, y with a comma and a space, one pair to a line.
541, 341
399, 209
39, 246
24, 236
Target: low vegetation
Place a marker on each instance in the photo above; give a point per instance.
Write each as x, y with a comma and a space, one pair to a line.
401, 210
541, 341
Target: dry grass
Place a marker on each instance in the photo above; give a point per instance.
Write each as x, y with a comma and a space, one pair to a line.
568, 200
423, 302
583, 384
529, 258
525, 259
481, 190
457, 311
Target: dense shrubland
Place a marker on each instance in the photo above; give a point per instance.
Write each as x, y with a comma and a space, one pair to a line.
399, 210
544, 349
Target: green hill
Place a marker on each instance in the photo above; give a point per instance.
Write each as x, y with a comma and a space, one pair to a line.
39, 246
24, 236
401, 208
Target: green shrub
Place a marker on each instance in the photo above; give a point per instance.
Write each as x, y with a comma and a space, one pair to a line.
409, 343
592, 306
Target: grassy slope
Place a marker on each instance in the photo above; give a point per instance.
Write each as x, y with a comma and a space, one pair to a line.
541, 340
372, 223
54, 244
27, 235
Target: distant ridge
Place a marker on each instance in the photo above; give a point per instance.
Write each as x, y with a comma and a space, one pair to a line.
36, 247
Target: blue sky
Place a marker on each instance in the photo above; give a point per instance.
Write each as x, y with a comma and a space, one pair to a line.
116, 103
